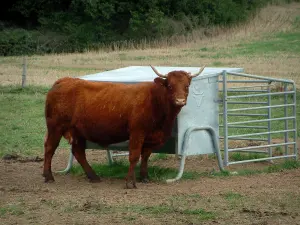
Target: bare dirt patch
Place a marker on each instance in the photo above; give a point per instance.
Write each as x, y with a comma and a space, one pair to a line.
257, 199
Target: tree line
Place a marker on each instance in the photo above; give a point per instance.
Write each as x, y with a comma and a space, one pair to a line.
54, 26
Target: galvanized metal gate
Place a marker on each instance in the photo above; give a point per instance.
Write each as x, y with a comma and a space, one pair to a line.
260, 112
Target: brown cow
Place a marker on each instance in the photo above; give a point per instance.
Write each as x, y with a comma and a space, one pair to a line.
107, 113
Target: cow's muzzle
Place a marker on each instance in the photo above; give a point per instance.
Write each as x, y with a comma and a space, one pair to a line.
180, 101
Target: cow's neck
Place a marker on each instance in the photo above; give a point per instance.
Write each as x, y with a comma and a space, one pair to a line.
165, 111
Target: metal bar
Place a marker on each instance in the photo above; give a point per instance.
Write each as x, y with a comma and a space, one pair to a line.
259, 107
248, 103
225, 122
253, 86
269, 122
180, 172
70, 163
259, 95
247, 81
261, 77
295, 123
260, 146
186, 145
120, 154
285, 122
250, 139
240, 90
240, 114
254, 151
254, 127
262, 133
265, 120
262, 159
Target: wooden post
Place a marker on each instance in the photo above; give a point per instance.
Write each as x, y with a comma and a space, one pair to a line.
24, 72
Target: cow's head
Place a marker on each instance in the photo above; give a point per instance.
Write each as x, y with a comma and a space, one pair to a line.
177, 84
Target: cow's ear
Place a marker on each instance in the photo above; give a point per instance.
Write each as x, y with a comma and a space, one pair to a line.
160, 81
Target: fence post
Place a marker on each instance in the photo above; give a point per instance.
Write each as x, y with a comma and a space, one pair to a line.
24, 72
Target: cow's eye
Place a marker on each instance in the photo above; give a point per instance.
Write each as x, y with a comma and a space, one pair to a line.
170, 87
186, 87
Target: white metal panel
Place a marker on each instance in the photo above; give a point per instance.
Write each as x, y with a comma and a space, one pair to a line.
134, 74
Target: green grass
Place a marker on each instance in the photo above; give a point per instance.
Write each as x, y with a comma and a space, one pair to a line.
281, 42
11, 209
119, 170
22, 124
165, 209
232, 196
286, 165
237, 156
271, 44
159, 156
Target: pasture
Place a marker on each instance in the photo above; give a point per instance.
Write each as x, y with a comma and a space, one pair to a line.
261, 193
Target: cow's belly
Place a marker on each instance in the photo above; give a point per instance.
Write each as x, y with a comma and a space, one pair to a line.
104, 134
156, 139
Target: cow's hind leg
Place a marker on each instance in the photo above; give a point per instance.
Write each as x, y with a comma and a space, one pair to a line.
146, 152
78, 150
51, 142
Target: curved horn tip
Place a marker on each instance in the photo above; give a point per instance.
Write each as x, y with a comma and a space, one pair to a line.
157, 73
200, 71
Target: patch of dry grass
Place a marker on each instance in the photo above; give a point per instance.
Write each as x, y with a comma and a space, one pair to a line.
196, 49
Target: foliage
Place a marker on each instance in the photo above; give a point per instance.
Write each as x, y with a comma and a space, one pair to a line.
53, 26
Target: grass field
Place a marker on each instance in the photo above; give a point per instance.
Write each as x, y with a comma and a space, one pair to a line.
268, 45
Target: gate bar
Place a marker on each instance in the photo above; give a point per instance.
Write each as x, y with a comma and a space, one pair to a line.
259, 95
265, 120
225, 122
295, 124
248, 103
260, 146
240, 90
256, 127
260, 107
241, 114
262, 133
247, 81
250, 139
262, 159
261, 77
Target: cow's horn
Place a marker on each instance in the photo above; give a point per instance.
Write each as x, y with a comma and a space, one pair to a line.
158, 74
196, 74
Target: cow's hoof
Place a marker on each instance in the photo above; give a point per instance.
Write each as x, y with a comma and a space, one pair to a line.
95, 179
144, 180
130, 185
48, 178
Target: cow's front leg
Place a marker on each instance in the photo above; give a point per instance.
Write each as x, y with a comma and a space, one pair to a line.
135, 146
146, 152
78, 150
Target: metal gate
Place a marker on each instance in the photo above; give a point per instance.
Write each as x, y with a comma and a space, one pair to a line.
257, 116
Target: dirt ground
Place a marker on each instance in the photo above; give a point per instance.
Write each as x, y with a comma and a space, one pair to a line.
272, 198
